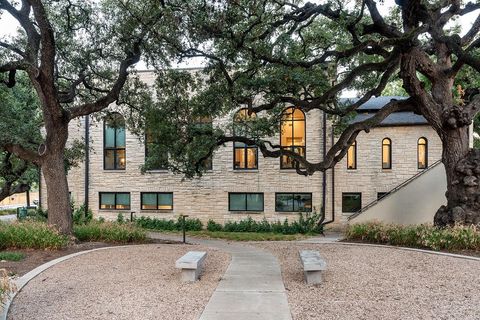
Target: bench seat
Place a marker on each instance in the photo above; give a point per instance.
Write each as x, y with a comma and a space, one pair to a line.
313, 265
191, 265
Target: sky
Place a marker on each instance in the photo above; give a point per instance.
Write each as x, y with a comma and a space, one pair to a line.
8, 26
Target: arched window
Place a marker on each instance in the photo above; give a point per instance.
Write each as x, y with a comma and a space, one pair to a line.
387, 153
292, 135
422, 153
352, 156
245, 156
114, 142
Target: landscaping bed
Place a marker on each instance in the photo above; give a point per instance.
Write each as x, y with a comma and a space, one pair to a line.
364, 282
138, 282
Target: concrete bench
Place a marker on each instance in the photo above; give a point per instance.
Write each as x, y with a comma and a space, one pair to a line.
313, 265
191, 264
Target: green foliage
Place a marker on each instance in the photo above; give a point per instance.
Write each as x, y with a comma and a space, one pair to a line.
169, 225
11, 256
121, 218
214, 226
247, 236
109, 232
30, 235
420, 236
82, 216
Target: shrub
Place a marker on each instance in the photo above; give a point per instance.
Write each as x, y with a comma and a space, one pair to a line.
30, 235
110, 232
169, 225
419, 236
121, 218
82, 216
11, 256
6, 287
214, 226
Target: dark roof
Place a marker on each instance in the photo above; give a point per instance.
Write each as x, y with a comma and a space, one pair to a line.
394, 119
369, 108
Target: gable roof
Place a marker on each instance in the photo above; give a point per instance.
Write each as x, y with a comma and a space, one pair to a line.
369, 108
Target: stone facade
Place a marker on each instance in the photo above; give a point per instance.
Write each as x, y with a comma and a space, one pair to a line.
207, 197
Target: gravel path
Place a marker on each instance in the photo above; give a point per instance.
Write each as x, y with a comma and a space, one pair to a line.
380, 283
137, 282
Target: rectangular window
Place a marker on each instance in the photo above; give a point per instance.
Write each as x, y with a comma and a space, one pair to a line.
293, 202
245, 156
351, 202
157, 201
114, 143
245, 201
115, 200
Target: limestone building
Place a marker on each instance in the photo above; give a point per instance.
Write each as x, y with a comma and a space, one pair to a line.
240, 182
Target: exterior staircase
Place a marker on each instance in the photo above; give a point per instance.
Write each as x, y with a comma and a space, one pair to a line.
414, 201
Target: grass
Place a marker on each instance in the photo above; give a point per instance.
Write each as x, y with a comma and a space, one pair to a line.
30, 235
455, 238
244, 236
109, 232
11, 256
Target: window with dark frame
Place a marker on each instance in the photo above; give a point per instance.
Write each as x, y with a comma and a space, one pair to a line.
352, 156
114, 200
351, 202
245, 157
422, 153
386, 153
292, 135
245, 201
156, 200
114, 157
293, 202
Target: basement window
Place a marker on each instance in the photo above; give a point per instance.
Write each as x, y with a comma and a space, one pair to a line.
293, 202
245, 201
114, 200
351, 202
157, 200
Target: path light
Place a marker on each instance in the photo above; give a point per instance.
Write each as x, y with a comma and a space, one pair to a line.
183, 216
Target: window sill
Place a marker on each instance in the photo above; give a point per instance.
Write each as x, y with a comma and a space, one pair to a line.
158, 171
156, 211
114, 170
245, 170
246, 212
292, 212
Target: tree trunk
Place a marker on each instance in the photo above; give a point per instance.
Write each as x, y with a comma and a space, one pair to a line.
462, 167
53, 169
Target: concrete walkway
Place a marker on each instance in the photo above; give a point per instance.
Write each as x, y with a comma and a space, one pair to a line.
8, 218
252, 288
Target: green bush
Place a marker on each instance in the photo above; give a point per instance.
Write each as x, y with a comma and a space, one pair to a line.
419, 236
82, 216
110, 232
121, 218
214, 226
169, 225
11, 256
30, 235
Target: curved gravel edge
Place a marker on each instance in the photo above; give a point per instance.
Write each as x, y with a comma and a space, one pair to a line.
26, 278
452, 255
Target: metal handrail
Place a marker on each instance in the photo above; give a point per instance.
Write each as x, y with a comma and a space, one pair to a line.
374, 202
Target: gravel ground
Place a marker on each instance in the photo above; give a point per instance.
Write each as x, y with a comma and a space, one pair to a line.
137, 282
380, 283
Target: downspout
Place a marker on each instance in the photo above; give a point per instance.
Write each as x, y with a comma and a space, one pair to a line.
87, 160
39, 187
333, 171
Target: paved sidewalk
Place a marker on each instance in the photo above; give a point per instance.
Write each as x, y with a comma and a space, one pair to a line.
252, 288
7, 218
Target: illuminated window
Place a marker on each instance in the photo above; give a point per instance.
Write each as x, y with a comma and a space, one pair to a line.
293, 202
114, 142
244, 156
422, 153
245, 201
387, 153
352, 156
292, 135
114, 200
155, 156
157, 201
351, 202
